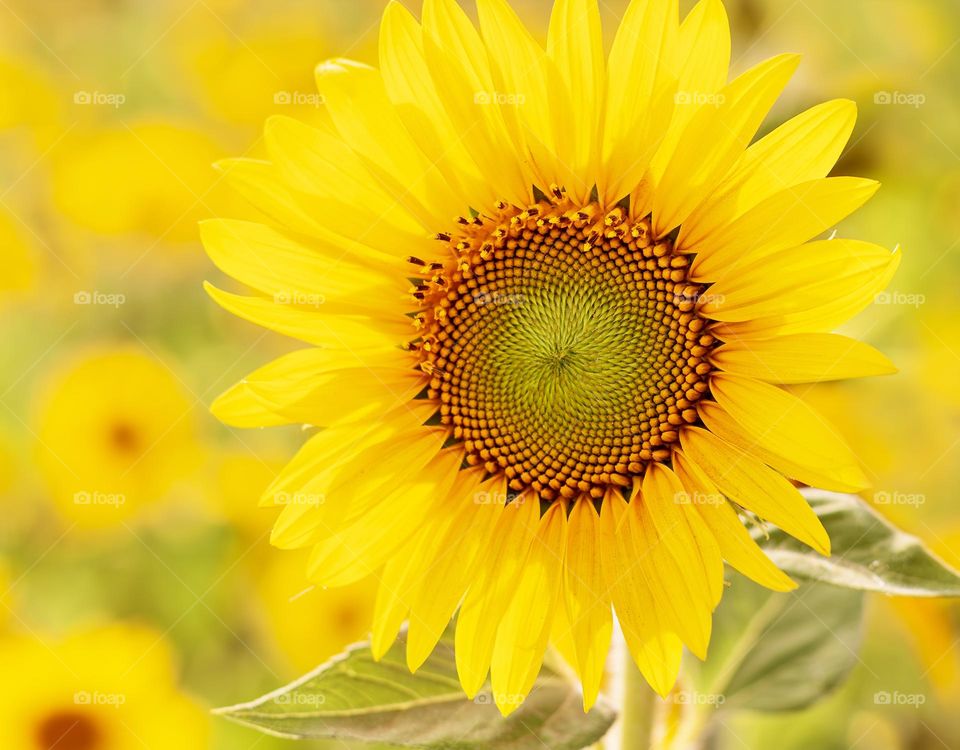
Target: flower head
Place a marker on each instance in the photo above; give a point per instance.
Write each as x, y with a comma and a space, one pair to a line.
108, 687
568, 397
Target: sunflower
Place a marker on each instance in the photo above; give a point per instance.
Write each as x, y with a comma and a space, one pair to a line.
568, 397
107, 688
114, 435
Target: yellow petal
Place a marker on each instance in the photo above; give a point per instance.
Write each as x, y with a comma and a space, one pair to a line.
640, 87
802, 149
401, 576
683, 533
802, 358
736, 545
410, 87
786, 219
522, 69
654, 648
478, 506
492, 590
780, 424
682, 595
367, 121
309, 324
310, 386
345, 492
816, 275
703, 50
460, 68
276, 263
334, 185
575, 45
748, 482
587, 599
715, 138
525, 627
360, 549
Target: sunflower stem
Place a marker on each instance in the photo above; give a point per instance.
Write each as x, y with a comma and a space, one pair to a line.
638, 709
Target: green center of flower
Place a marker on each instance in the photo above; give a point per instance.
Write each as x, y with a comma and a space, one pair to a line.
564, 346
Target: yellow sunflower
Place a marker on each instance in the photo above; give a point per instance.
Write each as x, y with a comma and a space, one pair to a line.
107, 688
568, 398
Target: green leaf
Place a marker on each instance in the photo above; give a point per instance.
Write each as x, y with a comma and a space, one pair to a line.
777, 651
354, 698
869, 553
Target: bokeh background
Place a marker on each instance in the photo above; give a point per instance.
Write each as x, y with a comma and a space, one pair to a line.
135, 567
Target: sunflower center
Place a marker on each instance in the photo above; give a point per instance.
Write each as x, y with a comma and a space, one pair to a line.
564, 346
68, 730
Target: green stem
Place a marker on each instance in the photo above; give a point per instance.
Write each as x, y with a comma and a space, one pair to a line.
638, 707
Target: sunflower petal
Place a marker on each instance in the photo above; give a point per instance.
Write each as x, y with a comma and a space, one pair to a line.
802, 358
459, 554
749, 483
786, 219
492, 590
780, 424
525, 627
715, 138
736, 545
802, 149
587, 599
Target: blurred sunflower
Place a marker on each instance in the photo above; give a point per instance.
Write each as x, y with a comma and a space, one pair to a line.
166, 186
114, 433
111, 688
579, 392
309, 625
17, 255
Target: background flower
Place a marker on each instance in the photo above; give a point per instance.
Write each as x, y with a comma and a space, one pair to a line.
188, 564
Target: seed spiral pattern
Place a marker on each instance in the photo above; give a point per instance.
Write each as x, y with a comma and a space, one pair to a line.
564, 346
